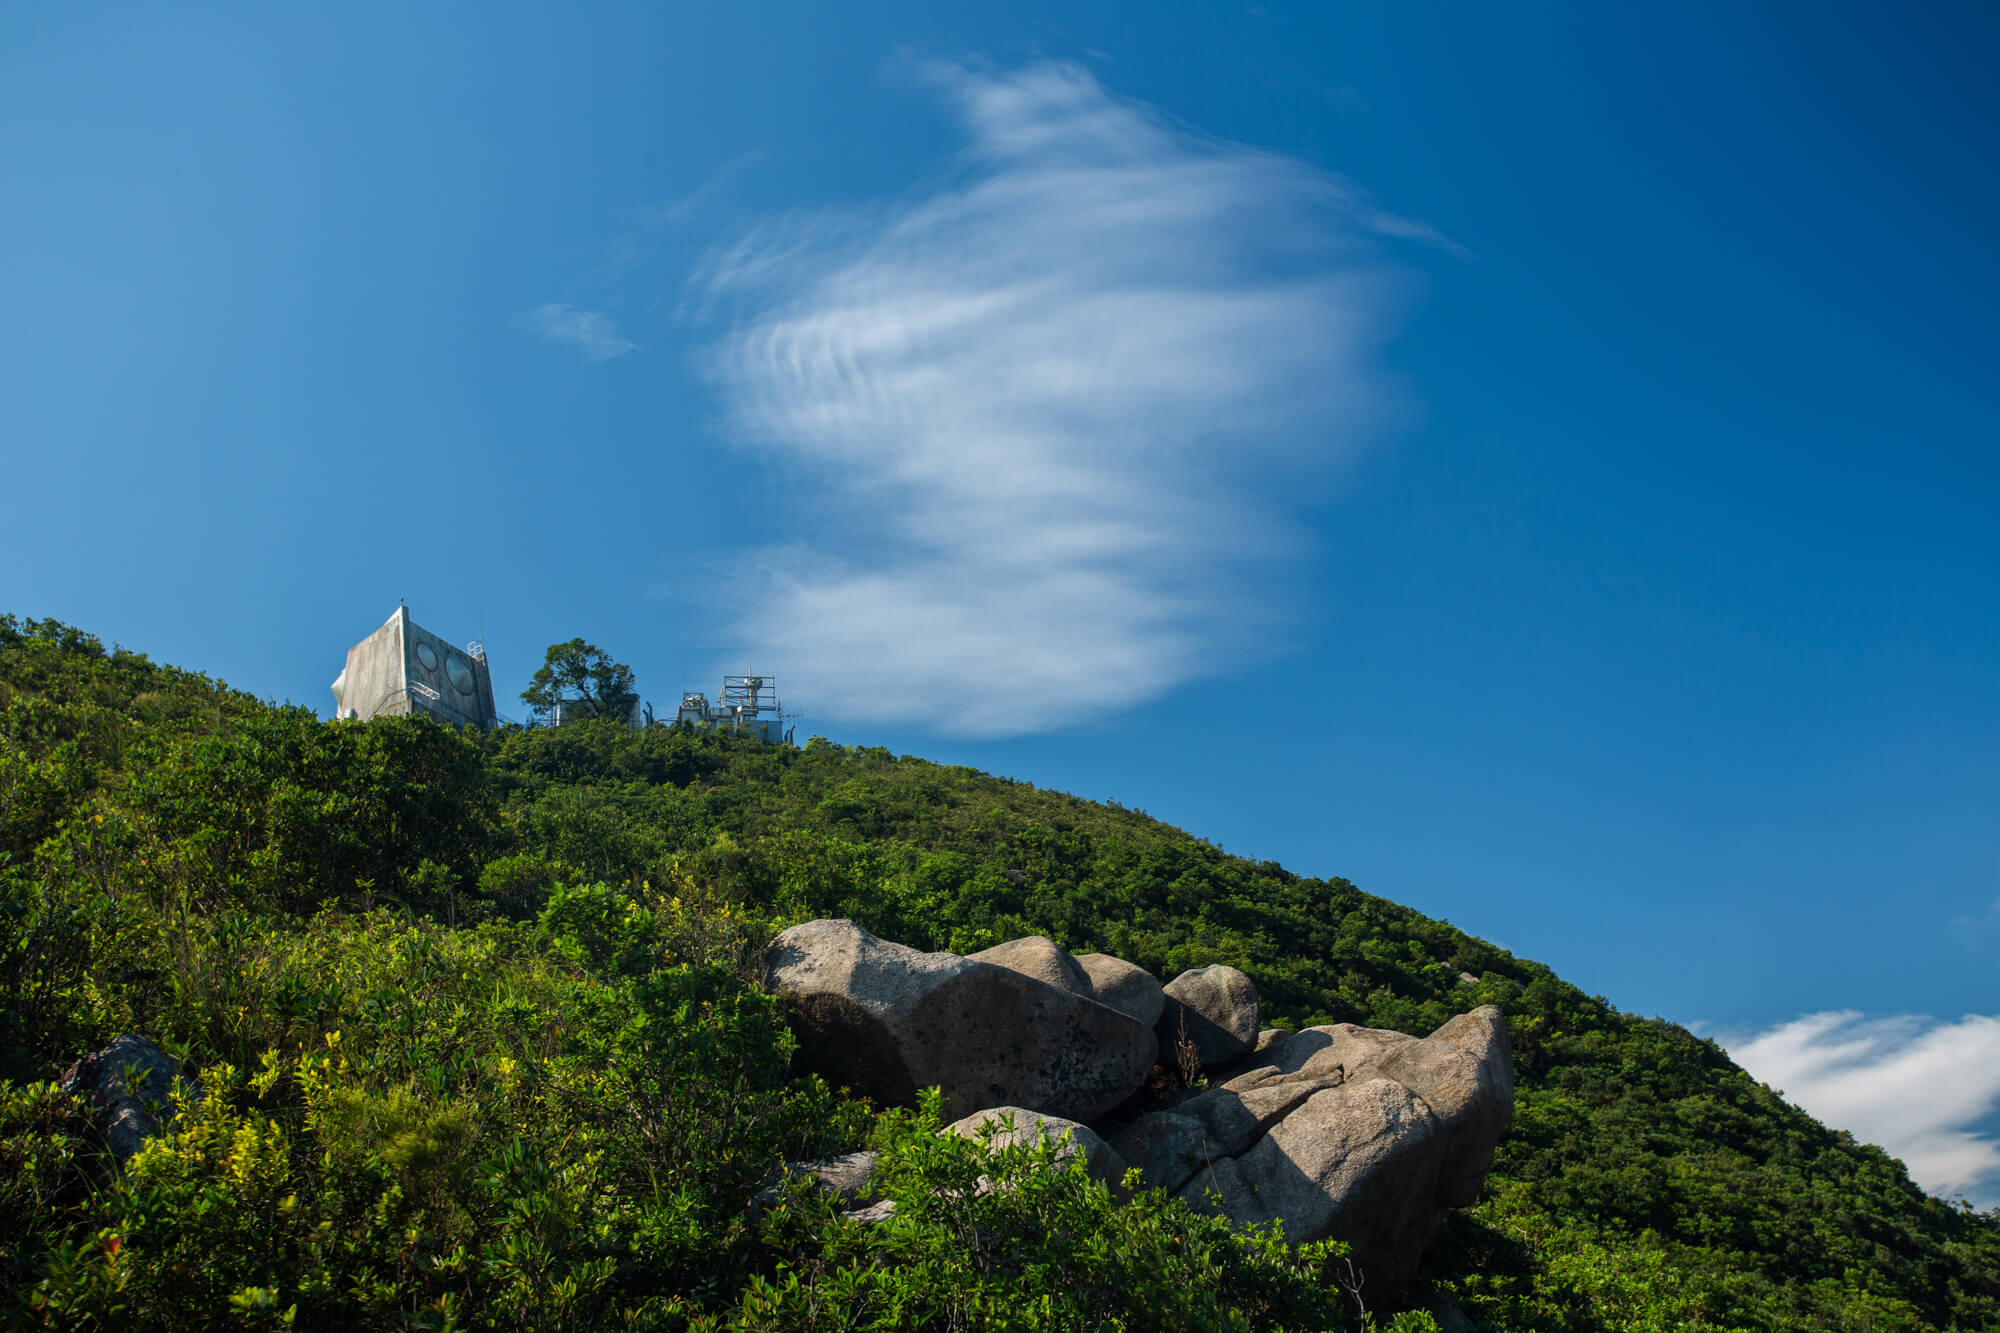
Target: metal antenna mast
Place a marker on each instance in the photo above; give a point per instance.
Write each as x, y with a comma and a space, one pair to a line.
751, 702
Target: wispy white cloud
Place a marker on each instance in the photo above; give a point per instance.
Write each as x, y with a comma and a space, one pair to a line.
589, 330
1059, 406
1987, 920
649, 234
673, 212
1916, 1087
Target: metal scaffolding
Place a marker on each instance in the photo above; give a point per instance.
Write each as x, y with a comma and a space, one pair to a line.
748, 700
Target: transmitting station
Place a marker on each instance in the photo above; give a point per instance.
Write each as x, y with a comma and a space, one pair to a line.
747, 703
403, 668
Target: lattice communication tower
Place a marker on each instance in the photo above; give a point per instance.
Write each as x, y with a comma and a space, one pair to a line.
751, 702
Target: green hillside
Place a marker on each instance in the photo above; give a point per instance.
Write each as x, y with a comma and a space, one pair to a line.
474, 1020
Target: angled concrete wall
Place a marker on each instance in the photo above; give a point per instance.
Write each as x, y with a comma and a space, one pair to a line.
404, 668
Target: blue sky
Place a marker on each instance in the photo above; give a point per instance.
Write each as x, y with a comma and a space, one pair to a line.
1538, 462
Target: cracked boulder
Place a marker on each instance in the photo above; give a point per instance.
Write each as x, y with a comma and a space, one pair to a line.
1356, 1162
1463, 1071
887, 1020
1343, 1132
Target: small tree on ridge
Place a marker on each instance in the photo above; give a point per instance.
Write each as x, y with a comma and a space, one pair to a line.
579, 672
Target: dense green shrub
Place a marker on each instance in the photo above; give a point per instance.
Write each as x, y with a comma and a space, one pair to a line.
1021, 1240
480, 1045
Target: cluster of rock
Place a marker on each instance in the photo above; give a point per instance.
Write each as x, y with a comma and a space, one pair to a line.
1340, 1132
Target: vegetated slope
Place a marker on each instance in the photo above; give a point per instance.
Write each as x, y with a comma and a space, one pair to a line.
473, 1022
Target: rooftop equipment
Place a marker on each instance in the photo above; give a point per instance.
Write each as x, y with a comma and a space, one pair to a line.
747, 703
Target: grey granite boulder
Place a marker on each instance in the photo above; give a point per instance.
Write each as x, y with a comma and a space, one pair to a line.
1317, 1052
1235, 1120
1171, 1146
1463, 1071
1039, 957
1216, 1007
848, 1178
1167, 1148
129, 1085
1353, 1133
1000, 1127
1354, 1162
887, 1020
1266, 1039
1476, 1099
1126, 987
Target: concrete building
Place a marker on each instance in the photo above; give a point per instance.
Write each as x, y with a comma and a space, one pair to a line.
403, 668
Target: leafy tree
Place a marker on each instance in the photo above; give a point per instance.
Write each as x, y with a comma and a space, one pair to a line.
579, 672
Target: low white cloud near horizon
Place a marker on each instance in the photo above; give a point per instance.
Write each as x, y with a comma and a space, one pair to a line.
1055, 409
1914, 1086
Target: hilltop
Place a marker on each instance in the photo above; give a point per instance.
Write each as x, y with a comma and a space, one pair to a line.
475, 1021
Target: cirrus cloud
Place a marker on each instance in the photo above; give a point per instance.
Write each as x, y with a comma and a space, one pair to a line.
1058, 407
590, 330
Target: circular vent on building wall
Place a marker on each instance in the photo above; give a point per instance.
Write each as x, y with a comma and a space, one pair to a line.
427, 657
459, 673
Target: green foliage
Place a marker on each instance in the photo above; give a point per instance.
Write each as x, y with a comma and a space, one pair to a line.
1021, 1240
582, 673
481, 1046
